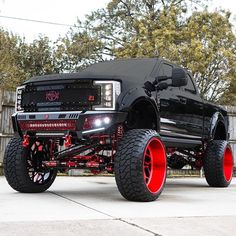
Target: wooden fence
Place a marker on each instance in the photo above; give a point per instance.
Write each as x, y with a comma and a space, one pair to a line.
7, 104
7, 107
232, 128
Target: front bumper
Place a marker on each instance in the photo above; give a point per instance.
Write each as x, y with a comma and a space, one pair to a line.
59, 124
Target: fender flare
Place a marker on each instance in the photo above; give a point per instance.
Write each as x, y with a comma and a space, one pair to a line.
215, 120
135, 95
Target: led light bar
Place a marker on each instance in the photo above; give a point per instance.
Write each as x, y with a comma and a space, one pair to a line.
48, 125
93, 130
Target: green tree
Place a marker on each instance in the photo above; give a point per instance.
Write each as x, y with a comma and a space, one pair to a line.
179, 30
129, 27
37, 58
229, 96
77, 50
182, 31
209, 51
10, 72
19, 61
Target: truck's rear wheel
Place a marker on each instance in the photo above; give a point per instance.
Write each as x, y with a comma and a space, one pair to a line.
218, 163
140, 165
23, 167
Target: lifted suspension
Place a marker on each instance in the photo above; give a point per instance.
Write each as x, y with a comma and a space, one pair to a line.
95, 152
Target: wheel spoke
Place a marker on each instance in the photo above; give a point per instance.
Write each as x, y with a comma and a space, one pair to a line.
38, 173
38, 178
147, 165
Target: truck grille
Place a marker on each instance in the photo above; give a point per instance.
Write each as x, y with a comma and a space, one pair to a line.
78, 95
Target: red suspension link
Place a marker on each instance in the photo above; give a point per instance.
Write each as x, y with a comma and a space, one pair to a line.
26, 141
68, 142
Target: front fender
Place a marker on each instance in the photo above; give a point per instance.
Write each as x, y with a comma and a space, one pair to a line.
134, 95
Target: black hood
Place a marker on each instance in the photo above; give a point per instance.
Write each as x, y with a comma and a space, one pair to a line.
135, 70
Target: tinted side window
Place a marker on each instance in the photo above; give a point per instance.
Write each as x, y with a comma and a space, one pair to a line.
190, 86
165, 70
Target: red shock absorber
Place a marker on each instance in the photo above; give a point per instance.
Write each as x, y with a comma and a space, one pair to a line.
115, 138
119, 132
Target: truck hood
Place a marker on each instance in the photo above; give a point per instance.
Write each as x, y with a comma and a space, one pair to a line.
129, 70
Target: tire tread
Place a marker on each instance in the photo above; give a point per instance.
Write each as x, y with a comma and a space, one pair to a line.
15, 169
128, 165
213, 163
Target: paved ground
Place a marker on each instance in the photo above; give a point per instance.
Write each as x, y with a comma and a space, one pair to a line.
87, 206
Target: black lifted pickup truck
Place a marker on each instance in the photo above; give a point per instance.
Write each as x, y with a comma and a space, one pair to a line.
131, 117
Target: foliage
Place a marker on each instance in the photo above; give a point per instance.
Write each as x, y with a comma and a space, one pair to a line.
179, 30
182, 31
229, 96
37, 58
209, 51
19, 61
9, 70
77, 50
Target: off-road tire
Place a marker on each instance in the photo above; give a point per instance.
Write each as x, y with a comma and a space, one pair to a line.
15, 169
131, 164
218, 163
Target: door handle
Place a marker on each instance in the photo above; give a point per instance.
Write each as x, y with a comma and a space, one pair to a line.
165, 103
183, 101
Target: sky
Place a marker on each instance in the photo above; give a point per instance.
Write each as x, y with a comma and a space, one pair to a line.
62, 12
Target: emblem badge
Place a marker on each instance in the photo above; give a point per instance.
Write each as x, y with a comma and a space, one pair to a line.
52, 96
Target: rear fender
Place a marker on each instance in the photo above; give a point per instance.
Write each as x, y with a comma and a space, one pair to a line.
216, 118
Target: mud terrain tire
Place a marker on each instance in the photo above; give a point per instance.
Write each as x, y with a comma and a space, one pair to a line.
140, 165
218, 163
16, 170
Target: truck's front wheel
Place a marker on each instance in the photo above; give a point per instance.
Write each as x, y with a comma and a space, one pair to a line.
218, 163
140, 165
23, 167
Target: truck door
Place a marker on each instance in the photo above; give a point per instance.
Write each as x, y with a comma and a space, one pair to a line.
193, 110
171, 107
181, 110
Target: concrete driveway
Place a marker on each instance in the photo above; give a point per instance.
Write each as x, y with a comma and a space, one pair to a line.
87, 206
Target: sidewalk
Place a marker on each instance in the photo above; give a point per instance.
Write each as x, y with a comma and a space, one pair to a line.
93, 206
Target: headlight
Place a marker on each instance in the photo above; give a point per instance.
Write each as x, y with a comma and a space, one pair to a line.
19, 91
110, 90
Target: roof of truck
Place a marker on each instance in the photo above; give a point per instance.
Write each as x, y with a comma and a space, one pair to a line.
126, 69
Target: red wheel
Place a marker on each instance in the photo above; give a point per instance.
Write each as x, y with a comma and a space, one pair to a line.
228, 164
218, 163
154, 165
140, 165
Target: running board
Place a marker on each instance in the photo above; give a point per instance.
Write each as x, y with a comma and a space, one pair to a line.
180, 142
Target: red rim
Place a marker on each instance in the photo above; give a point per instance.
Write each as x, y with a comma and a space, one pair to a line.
228, 163
154, 165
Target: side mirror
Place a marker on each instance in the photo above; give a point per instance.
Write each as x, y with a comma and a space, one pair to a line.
179, 77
